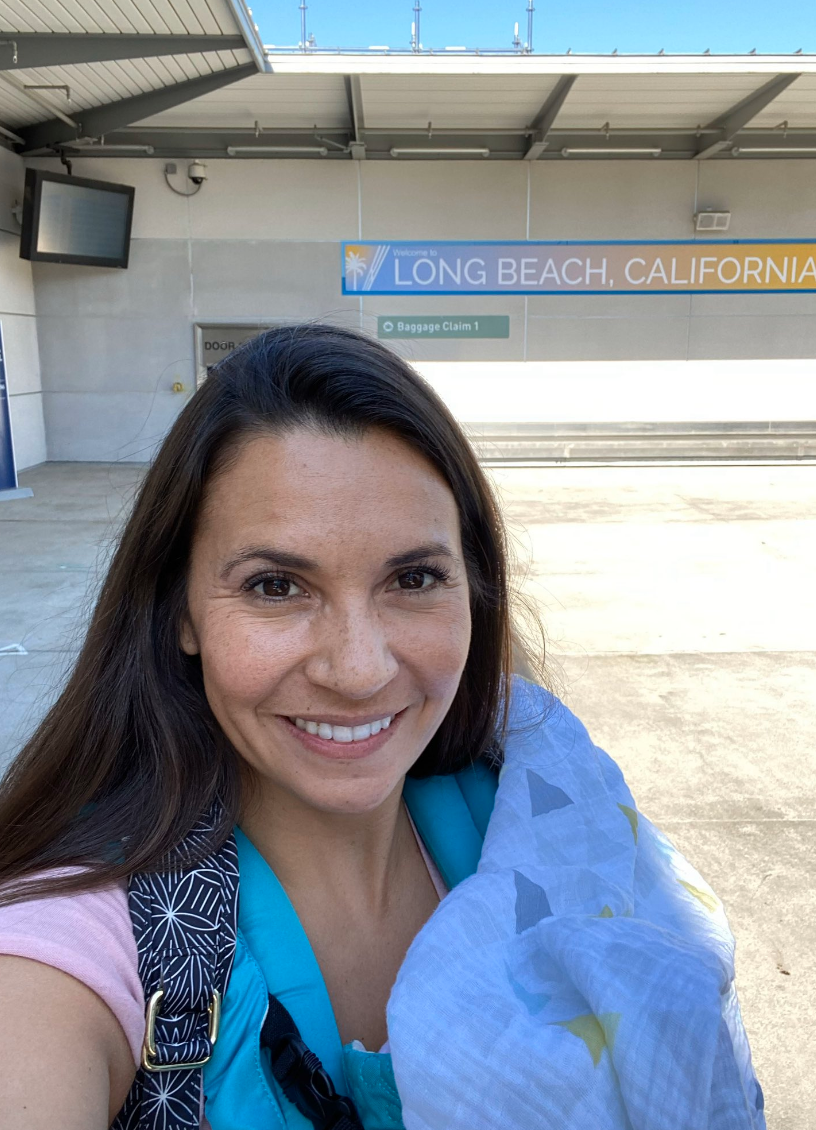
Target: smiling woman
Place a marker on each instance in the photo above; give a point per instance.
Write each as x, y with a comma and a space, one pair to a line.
296, 684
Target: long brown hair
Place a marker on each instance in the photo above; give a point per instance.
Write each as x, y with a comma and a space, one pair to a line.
131, 755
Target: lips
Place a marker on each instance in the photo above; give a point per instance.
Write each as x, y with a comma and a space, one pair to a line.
346, 747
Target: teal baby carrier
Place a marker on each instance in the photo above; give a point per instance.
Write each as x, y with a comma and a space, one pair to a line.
268, 1049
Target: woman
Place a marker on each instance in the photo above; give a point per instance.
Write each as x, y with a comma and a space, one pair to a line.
295, 685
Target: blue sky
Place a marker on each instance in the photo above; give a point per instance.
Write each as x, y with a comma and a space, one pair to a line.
584, 25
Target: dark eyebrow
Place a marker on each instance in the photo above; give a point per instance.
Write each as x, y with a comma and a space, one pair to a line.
419, 553
280, 557
285, 560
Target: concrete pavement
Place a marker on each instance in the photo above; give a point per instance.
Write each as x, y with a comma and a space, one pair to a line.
681, 628
681, 622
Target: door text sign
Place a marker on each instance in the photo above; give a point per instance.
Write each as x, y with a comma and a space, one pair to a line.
615, 267
453, 325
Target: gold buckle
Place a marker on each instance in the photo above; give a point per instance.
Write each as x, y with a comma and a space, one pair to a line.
149, 1045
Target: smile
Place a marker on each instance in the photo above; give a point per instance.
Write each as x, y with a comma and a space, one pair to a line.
342, 733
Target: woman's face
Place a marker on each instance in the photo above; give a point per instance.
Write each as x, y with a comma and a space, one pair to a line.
328, 601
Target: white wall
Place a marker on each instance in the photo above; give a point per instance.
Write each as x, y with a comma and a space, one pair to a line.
260, 242
17, 316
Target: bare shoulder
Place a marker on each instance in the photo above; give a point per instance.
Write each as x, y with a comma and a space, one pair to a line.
64, 1058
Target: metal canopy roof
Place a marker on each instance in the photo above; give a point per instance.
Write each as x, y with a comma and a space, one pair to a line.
64, 64
425, 107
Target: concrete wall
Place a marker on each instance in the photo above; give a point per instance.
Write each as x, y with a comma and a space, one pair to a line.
18, 321
260, 243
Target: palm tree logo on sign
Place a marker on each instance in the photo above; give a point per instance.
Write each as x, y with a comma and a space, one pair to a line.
362, 263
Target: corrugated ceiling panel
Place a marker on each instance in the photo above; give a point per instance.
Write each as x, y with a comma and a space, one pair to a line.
200, 12
145, 16
188, 18
95, 84
221, 14
15, 16
295, 101
489, 101
54, 15
796, 105
15, 110
131, 16
209, 17
633, 101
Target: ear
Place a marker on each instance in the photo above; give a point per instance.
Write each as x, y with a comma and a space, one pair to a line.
187, 637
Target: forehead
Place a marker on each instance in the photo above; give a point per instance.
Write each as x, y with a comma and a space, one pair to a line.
323, 490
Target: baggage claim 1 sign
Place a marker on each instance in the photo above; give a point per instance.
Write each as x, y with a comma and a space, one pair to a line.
594, 267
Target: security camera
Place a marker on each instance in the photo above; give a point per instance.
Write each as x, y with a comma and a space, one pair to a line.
197, 172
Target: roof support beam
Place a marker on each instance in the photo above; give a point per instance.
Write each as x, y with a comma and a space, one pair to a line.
104, 119
354, 94
732, 121
54, 50
545, 119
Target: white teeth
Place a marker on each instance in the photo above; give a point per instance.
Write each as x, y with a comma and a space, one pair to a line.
343, 733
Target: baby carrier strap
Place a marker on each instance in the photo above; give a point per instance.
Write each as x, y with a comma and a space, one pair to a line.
301, 1075
184, 920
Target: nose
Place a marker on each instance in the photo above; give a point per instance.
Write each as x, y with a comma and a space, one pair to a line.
352, 656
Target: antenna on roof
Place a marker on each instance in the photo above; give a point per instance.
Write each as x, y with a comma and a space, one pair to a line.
528, 46
303, 41
516, 40
416, 44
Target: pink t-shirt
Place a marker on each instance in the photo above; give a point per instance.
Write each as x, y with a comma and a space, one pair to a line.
89, 936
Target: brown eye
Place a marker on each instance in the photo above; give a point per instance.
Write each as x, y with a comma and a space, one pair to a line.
415, 579
276, 588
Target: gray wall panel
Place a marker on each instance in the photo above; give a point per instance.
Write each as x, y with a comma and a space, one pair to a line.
606, 339
612, 200
95, 354
108, 426
22, 353
247, 279
28, 429
156, 282
751, 337
444, 200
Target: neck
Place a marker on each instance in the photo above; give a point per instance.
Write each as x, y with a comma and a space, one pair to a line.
350, 859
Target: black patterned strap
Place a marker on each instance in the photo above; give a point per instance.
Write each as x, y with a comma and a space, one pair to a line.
184, 922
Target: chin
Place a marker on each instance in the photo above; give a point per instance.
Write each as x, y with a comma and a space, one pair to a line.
349, 798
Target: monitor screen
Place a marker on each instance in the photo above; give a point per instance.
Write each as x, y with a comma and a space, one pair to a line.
72, 220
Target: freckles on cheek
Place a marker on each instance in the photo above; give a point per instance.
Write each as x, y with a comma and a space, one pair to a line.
441, 656
242, 663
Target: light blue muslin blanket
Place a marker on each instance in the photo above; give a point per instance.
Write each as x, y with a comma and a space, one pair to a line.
583, 978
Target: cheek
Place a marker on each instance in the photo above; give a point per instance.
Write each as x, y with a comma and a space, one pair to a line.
243, 660
438, 649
